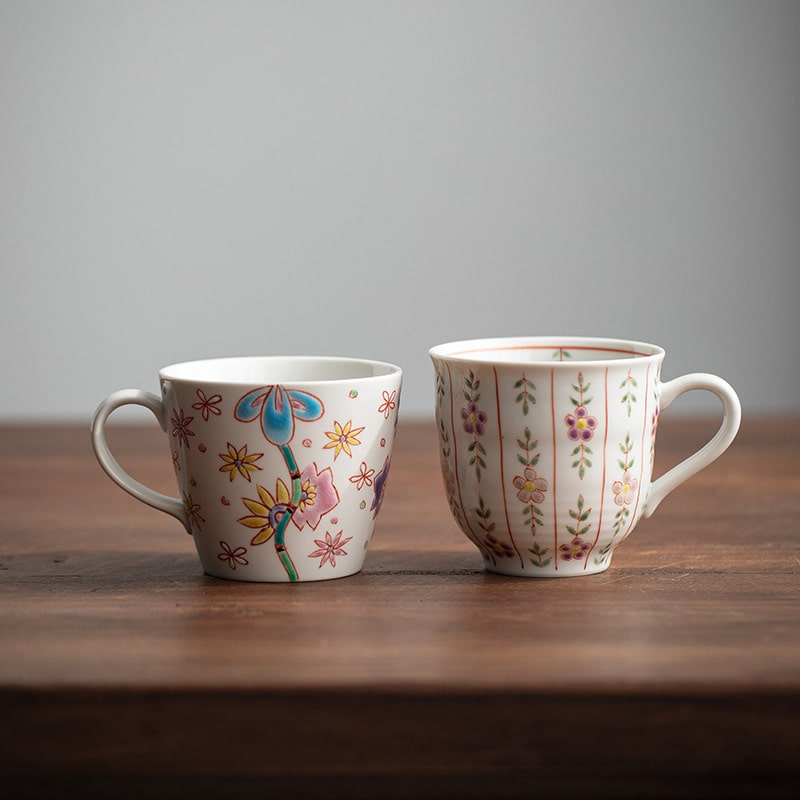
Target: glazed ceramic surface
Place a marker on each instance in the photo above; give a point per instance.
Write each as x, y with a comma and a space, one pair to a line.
281, 463
547, 446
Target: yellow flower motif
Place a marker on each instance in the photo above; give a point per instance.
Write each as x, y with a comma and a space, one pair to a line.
343, 438
238, 462
308, 494
193, 511
266, 515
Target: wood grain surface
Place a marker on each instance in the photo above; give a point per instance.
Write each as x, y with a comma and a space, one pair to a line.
124, 669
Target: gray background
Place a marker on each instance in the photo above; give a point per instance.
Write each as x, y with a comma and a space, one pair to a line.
189, 179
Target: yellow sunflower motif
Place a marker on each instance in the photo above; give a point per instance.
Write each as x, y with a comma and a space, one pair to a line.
237, 462
342, 438
266, 514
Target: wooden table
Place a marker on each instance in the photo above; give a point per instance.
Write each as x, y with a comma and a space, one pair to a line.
126, 672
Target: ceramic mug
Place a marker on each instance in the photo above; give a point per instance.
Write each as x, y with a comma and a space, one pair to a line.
547, 446
281, 462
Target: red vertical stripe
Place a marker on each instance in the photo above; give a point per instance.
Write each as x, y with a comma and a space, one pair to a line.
641, 466
555, 466
455, 460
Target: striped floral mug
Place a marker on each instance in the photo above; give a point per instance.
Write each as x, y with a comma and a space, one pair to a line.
547, 446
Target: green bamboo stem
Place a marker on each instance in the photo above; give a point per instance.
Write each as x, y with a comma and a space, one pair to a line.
280, 530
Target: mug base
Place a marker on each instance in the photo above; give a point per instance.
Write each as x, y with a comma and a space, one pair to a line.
561, 569
282, 577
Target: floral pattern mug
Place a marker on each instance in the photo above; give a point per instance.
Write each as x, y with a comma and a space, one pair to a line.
281, 462
547, 446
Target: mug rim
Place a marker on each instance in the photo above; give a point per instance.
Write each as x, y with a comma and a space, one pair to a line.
479, 351
210, 370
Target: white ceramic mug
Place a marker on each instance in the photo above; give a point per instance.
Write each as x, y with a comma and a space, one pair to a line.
547, 446
281, 462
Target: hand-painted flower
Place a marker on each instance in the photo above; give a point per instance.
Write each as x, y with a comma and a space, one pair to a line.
530, 487
575, 550
207, 405
474, 419
625, 490
364, 477
342, 438
180, 427
379, 488
389, 403
237, 462
581, 425
277, 408
450, 487
329, 548
500, 549
318, 497
266, 514
192, 511
233, 557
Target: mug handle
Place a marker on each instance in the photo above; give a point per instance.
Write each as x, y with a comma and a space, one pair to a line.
713, 449
162, 502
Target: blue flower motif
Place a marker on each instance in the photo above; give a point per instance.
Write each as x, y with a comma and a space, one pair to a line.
277, 408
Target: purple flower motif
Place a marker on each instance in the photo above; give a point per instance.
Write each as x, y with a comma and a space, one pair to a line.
498, 548
581, 426
574, 551
379, 487
474, 419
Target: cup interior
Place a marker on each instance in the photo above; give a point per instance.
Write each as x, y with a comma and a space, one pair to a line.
526, 350
270, 370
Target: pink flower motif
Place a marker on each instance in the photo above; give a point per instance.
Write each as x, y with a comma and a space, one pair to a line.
575, 550
625, 490
531, 488
233, 557
329, 548
318, 496
474, 419
581, 425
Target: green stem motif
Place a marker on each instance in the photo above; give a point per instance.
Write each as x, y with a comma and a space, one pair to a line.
624, 489
629, 398
474, 420
277, 408
530, 490
526, 394
280, 530
581, 425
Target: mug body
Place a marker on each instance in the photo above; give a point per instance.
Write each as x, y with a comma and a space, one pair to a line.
546, 447
281, 462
